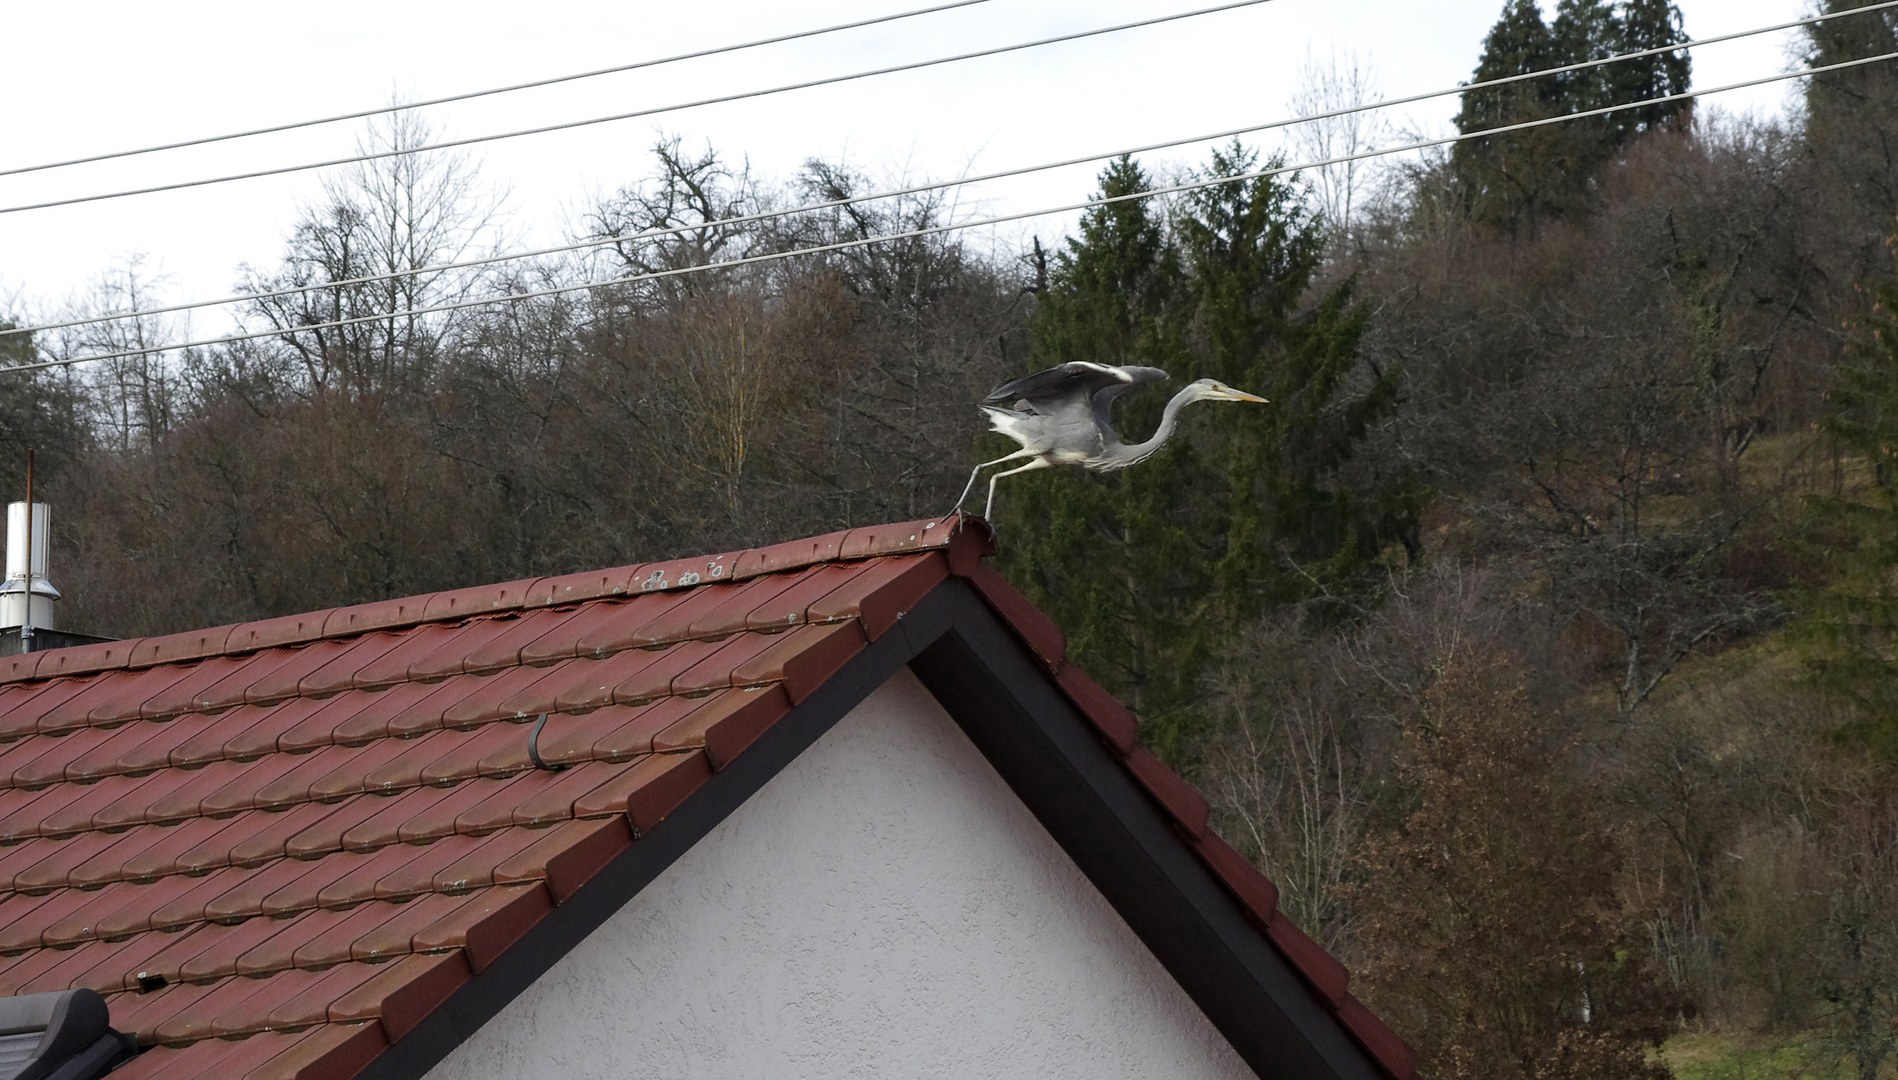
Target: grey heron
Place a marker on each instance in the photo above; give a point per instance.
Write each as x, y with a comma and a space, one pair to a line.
1063, 416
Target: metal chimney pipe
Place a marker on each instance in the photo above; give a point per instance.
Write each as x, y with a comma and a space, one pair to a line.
26, 570
26, 630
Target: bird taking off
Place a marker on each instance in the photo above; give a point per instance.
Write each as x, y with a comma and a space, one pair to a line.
1063, 416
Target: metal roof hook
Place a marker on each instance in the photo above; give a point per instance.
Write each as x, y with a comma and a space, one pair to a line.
533, 746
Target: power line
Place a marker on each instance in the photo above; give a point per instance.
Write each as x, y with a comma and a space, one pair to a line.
597, 242
471, 95
938, 229
719, 100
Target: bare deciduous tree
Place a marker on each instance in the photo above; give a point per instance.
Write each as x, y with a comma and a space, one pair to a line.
393, 220
1339, 81
136, 397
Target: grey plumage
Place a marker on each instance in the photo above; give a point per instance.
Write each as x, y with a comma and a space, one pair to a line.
1064, 416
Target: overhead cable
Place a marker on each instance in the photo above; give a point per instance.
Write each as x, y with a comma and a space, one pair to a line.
1197, 185
607, 241
654, 111
473, 94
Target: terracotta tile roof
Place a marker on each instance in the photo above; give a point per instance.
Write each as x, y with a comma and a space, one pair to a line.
276, 847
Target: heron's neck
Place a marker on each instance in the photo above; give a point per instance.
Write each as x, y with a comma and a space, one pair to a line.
1169, 420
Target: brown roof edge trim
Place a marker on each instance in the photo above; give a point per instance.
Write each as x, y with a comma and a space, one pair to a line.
1115, 721
1253, 889
1398, 1057
1189, 809
1030, 623
966, 539
1326, 975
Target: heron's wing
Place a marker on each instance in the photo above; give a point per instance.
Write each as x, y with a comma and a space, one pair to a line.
1074, 382
1103, 403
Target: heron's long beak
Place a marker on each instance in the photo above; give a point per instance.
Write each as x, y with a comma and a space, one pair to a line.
1241, 395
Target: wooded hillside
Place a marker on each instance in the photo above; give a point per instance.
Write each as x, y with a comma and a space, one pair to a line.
1537, 639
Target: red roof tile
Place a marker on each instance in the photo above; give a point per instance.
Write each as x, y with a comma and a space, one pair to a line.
324, 824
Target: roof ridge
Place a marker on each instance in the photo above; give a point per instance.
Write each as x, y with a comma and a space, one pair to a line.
967, 539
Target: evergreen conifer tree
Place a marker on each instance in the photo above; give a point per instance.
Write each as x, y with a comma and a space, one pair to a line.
1152, 569
1584, 30
1502, 179
1518, 180
1649, 24
1848, 171
1843, 98
37, 409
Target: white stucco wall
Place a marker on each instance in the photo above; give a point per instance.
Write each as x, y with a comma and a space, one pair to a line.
883, 907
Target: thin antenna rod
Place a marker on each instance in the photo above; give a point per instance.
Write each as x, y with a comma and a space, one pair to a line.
26, 618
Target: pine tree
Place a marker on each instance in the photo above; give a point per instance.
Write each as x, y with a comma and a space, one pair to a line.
1584, 30
1503, 179
1851, 127
1851, 97
1650, 24
1097, 549
1518, 180
1151, 569
37, 409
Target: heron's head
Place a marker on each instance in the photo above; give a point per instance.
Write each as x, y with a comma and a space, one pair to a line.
1214, 390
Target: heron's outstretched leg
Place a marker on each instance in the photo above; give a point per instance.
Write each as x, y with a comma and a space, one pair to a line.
1038, 463
977, 471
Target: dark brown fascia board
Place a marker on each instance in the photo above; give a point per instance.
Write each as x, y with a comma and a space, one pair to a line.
1057, 764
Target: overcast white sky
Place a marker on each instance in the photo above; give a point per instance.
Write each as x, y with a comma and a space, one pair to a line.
86, 77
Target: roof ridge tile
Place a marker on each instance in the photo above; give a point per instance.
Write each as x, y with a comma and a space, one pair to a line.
790, 555
396, 614
282, 631
964, 537
84, 659
900, 537
584, 586
177, 648
479, 600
